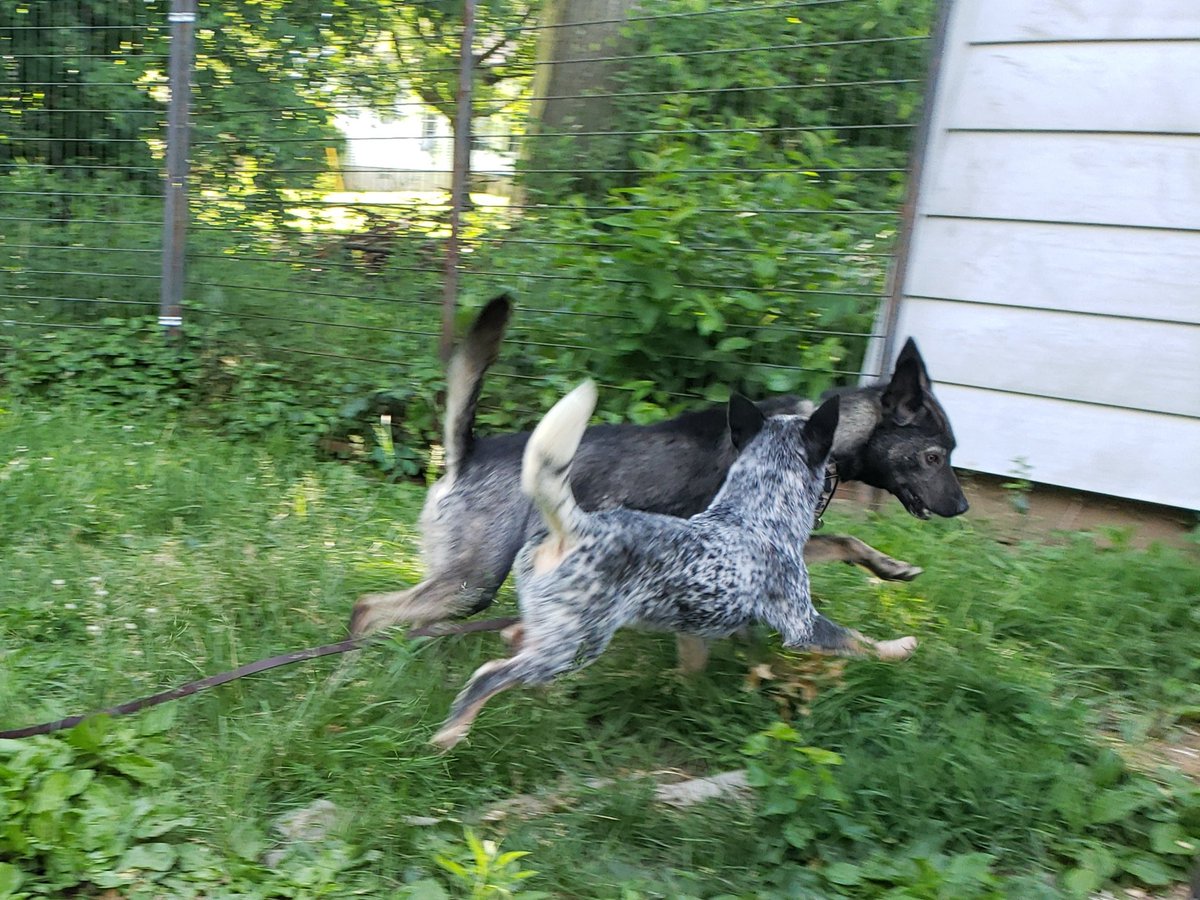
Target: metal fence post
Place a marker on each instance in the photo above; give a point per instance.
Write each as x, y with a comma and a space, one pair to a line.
460, 173
175, 213
889, 313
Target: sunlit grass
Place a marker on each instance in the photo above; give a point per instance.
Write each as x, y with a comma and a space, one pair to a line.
139, 554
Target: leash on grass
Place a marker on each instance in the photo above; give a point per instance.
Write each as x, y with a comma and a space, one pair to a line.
262, 665
287, 659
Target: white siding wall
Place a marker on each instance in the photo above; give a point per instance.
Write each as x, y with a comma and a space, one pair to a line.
1053, 281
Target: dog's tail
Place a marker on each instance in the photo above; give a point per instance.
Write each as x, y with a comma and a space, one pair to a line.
548, 457
464, 377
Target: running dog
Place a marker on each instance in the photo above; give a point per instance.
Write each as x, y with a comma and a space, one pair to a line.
585, 575
894, 436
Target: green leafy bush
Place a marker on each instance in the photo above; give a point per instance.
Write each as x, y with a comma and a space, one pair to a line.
805, 817
760, 315
484, 871
92, 807
96, 808
731, 230
121, 362
214, 375
823, 830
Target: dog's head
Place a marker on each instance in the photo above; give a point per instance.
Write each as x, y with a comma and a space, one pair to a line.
816, 433
908, 452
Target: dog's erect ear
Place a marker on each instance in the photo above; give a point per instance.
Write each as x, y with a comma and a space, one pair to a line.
745, 421
820, 429
904, 397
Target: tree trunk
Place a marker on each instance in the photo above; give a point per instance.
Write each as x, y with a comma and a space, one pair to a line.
559, 77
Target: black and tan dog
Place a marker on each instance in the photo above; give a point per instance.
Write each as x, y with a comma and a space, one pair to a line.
894, 436
585, 575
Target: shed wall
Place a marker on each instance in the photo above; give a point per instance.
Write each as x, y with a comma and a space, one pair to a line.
1053, 278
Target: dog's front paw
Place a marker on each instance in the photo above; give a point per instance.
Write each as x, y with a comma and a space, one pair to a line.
891, 569
900, 648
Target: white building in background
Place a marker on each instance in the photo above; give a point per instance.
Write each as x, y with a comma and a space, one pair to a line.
1053, 280
412, 150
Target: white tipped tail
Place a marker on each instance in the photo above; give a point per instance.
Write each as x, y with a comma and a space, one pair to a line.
548, 457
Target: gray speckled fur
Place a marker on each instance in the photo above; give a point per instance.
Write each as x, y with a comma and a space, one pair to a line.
740, 561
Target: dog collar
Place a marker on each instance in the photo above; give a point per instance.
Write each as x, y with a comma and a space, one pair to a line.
831, 485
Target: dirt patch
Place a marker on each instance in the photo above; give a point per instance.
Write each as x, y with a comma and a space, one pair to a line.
1050, 509
1183, 753
1180, 751
1059, 509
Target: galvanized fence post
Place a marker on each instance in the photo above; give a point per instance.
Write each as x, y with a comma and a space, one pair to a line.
460, 173
879, 354
175, 214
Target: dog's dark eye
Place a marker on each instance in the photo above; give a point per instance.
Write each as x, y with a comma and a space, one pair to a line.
933, 458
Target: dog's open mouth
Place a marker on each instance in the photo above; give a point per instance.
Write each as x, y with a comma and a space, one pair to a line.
913, 505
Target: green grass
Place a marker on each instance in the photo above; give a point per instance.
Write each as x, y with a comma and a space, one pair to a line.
143, 553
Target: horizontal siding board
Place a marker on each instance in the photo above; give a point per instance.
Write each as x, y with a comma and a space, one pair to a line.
1136, 364
1058, 215
1139, 273
1140, 180
1138, 86
1125, 453
1059, 20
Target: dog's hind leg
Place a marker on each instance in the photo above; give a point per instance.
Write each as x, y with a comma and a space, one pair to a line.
433, 600
489, 679
847, 549
828, 636
550, 646
534, 664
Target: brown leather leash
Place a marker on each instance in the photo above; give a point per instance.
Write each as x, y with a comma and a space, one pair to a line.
284, 659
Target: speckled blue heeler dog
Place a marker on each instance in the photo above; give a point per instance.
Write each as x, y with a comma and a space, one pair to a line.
741, 560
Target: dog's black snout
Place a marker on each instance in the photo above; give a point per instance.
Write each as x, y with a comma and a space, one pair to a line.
950, 504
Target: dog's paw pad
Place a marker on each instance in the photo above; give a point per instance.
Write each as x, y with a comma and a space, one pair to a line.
900, 648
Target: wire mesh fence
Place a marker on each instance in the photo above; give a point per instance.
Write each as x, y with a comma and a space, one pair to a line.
684, 198
79, 182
